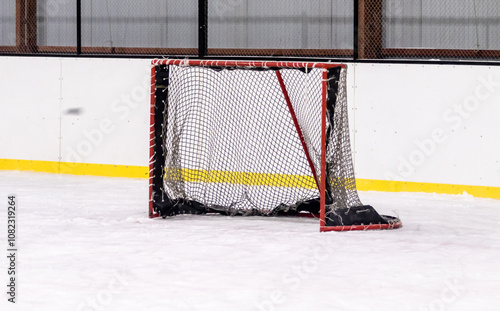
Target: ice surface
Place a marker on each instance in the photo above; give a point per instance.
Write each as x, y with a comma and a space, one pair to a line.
85, 243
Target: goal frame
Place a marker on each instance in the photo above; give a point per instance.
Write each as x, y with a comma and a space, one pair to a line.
259, 64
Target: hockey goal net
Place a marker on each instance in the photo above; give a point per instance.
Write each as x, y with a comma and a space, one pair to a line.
254, 138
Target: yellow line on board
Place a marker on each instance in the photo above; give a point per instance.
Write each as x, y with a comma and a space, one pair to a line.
108, 170
242, 178
247, 178
409, 186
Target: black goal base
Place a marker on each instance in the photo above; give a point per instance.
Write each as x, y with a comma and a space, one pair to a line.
363, 217
166, 207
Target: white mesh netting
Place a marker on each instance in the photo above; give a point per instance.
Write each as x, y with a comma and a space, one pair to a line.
229, 142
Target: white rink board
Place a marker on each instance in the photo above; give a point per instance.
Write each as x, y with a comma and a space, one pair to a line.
391, 107
113, 96
428, 123
99, 108
29, 108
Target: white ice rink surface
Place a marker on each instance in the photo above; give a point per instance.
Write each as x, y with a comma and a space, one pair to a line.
85, 243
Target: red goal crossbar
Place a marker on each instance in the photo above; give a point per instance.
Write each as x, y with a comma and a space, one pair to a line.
249, 64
